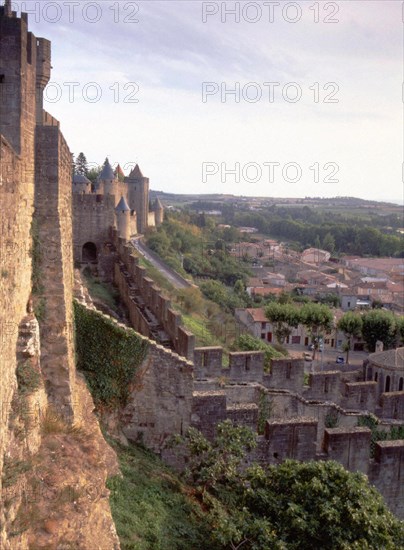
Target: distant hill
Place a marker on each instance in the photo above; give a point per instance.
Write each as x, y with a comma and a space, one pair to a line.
354, 202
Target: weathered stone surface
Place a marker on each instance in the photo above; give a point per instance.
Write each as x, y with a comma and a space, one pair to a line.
35, 173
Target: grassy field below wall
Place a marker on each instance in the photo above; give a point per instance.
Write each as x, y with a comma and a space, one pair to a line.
151, 508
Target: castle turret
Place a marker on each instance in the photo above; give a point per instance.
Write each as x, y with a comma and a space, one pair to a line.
43, 72
123, 219
7, 8
20, 69
158, 211
107, 183
81, 184
119, 173
138, 195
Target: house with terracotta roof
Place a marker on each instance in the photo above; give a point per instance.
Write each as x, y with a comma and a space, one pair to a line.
256, 323
315, 256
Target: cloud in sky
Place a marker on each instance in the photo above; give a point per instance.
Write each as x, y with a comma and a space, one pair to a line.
170, 52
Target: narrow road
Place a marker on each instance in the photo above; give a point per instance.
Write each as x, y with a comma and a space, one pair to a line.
175, 278
326, 360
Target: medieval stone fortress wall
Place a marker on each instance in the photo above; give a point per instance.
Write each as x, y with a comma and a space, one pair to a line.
36, 283
115, 201
300, 415
51, 221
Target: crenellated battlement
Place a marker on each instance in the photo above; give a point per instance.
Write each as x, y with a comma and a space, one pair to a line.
150, 312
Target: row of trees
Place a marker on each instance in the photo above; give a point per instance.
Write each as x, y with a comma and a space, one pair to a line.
373, 326
318, 319
315, 216
345, 236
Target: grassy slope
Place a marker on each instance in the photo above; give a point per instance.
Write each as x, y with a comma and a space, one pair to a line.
102, 292
150, 506
196, 323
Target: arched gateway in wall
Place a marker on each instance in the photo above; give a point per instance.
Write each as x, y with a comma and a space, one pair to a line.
89, 252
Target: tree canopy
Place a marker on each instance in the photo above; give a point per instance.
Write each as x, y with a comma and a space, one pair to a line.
284, 317
291, 506
81, 166
379, 325
351, 325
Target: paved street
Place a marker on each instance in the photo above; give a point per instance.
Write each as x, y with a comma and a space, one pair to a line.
326, 360
175, 279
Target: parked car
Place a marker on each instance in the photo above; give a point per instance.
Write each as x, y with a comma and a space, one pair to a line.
340, 359
310, 347
307, 356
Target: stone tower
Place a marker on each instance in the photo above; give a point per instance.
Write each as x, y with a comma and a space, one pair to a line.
7, 8
35, 194
158, 211
138, 196
81, 184
20, 54
123, 219
107, 180
119, 173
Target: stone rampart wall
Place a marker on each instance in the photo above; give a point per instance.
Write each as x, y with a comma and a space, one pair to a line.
160, 401
54, 265
150, 311
93, 216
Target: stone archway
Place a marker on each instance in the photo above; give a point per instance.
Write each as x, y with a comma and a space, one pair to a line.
89, 252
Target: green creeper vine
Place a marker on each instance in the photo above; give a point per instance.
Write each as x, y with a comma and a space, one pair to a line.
370, 421
108, 355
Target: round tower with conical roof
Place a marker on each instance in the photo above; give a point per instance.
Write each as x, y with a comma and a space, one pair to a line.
119, 173
107, 182
122, 212
138, 197
158, 211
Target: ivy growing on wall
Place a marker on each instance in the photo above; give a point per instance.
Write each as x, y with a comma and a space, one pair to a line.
108, 355
371, 421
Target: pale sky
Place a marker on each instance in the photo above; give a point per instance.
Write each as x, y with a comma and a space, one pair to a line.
162, 52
